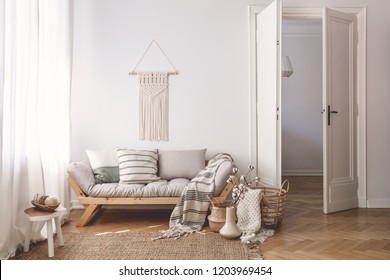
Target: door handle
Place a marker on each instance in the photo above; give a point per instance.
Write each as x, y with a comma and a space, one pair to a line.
330, 112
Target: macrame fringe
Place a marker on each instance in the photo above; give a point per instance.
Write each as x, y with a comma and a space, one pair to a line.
178, 231
252, 240
254, 252
261, 236
153, 101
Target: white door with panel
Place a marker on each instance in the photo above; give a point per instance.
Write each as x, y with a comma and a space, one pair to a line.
269, 45
339, 104
339, 111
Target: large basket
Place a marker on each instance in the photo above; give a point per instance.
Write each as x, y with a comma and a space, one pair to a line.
273, 204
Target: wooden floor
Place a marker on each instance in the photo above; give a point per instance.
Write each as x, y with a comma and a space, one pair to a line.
306, 233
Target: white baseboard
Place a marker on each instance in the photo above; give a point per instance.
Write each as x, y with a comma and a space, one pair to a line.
302, 172
75, 204
362, 202
378, 203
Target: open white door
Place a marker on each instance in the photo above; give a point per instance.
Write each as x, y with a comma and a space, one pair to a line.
269, 46
339, 111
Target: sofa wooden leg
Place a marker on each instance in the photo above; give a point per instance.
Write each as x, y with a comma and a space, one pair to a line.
88, 213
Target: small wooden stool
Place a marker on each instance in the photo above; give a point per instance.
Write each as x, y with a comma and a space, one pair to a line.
35, 215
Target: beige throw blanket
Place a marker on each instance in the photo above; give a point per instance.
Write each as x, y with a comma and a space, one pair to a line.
190, 212
249, 218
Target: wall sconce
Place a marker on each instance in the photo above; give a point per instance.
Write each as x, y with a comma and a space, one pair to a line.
287, 69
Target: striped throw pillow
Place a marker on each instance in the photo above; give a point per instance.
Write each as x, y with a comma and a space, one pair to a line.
137, 166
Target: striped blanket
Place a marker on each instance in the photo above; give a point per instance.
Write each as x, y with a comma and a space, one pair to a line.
190, 212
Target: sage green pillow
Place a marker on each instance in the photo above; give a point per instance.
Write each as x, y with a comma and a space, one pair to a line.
105, 165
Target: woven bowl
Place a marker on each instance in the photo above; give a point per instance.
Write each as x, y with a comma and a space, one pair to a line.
43, 207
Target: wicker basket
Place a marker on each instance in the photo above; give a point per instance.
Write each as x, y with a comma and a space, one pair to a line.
45, 207
39, 202
273, 204
217, 218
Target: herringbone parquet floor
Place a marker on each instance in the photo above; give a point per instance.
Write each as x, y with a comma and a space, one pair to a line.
306, 233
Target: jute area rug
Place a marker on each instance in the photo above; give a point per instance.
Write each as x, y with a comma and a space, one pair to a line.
140, 246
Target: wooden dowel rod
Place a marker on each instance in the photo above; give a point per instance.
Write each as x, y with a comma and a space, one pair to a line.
169, 73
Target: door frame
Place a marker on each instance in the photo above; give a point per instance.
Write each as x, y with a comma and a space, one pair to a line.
302, 13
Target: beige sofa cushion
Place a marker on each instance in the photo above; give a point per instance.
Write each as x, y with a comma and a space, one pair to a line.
223, 173
161, 188
180, 163
83, 174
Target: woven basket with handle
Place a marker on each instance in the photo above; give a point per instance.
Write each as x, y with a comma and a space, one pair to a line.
273, 204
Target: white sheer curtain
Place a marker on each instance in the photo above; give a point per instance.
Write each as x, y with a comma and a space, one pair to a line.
35, 73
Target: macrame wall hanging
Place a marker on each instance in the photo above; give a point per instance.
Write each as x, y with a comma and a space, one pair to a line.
153, 101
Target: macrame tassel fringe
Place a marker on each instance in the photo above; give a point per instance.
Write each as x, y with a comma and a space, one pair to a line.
254, 252
178, 231
260, 236
153, 98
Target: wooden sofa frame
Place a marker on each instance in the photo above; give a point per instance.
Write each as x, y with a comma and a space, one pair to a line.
94, 204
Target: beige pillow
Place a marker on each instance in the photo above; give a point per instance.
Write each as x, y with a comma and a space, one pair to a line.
137, 166
222, 175
180, 163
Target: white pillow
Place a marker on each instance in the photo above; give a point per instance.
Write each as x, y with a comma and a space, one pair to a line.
181, 163
105, 165
137, 166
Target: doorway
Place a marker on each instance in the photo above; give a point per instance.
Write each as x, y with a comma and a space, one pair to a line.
356, 193
302, 143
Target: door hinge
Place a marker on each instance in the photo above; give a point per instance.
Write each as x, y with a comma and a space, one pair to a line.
277, 43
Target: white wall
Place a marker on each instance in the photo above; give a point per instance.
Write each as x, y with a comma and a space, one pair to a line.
302, 99
209, 99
